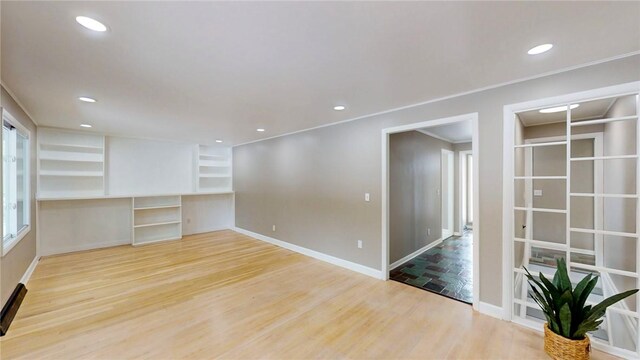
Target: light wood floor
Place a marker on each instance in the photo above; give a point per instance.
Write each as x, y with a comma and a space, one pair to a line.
227, 296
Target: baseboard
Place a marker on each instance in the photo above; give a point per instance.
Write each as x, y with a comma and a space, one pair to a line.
314, 254
457, 234
490, 309
10, 309
30, 269
414, 254
84, 247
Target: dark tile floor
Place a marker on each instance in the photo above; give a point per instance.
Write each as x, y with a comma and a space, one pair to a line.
445, 269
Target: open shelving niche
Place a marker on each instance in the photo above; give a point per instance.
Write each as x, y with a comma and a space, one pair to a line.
156, 218
213, 169
70, 164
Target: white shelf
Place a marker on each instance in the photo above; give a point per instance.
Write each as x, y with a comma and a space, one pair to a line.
71, 173
72, 147
70, 164
156, 218
157, 207
215, 175
215, 163
213, 169
212, 156
158, 224
94, 196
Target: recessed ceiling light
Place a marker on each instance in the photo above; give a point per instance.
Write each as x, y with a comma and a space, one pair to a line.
85, 125
218, 141
558, 109
260, 130
339, 107
87, 99
540, 49
91, 24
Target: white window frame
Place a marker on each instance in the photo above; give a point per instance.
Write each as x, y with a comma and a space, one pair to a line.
10, 243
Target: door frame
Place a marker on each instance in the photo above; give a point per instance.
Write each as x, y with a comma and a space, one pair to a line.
450, 177
463, 185
473, 117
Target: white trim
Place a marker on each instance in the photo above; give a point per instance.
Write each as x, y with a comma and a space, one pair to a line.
490, 309
17, 101
490, 87
314, 254
415, 253
27, 274
450, 200
428, 133
473, 117
462, 191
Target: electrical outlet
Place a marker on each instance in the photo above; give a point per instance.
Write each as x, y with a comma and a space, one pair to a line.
359, 244
274, 228
367, 197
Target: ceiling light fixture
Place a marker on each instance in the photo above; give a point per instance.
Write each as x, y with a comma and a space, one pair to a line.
339, 107
85, 125
260, 130
540, 49
558, 109
91, 24
218, 141
87, 99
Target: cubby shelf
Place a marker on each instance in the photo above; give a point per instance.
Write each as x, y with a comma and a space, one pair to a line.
213, 171
70, 163
156, 218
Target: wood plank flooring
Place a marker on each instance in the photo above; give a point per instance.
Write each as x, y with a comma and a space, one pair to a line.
224, 295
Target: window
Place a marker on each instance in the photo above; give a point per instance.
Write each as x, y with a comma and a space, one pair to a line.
15, 182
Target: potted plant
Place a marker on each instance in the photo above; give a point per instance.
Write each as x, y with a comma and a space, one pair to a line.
568, 318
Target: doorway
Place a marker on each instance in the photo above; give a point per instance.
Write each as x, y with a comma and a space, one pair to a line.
446, 209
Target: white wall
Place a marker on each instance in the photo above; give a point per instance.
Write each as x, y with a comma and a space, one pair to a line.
203, 213
74, 225
136, 166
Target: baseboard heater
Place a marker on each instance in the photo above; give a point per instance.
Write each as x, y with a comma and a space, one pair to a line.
10, 309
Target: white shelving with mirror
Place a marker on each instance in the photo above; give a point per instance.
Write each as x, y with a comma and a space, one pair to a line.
156, 218
213, 169
70, 164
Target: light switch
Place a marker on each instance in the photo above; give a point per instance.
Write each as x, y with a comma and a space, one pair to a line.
367, 197
537, 192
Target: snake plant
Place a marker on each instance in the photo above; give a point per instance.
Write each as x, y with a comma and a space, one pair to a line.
564, 306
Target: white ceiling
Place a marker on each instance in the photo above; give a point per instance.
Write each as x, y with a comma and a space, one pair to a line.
197, 71
459, 132
586, 111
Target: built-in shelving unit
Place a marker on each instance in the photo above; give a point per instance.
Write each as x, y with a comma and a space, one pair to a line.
70, 164
213, 169
156, 218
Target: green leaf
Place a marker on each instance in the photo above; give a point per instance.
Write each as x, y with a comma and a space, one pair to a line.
581, 286
604, 304
565, 320
563, 276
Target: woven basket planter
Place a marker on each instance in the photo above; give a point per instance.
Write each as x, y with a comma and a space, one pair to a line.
561, 348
